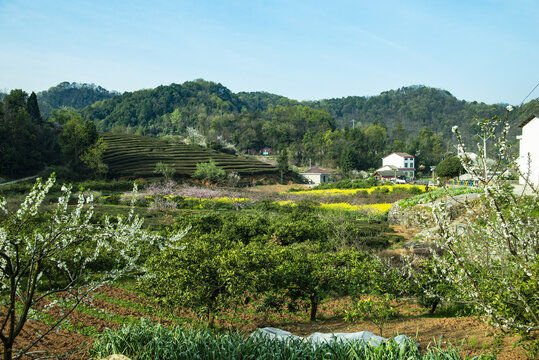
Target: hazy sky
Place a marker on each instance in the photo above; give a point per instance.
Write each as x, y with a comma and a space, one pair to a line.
484, 50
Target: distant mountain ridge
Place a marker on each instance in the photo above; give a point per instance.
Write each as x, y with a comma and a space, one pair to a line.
214, 109
415, 106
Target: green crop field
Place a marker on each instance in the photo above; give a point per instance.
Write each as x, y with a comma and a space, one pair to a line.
133, 155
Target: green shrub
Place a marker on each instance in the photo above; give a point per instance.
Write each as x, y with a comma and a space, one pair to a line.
449, 167
379, 312
209, 172
62, 172
166, 170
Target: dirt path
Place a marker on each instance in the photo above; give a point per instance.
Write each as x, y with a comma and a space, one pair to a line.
19, 180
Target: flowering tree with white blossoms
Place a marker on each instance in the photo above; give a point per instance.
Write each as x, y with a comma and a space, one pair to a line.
64, 241
492, 256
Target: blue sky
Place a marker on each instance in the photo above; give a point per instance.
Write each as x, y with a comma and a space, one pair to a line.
484, 50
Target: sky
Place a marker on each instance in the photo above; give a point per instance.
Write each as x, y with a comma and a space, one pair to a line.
479, 50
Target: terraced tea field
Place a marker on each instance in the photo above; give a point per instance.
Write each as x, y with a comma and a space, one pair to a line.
136, 156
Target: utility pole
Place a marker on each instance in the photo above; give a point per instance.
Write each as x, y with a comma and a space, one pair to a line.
484, 157
353, 124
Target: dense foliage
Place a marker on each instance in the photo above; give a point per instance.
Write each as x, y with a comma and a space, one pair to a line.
73, 95
27, 142
449, 167
30, 144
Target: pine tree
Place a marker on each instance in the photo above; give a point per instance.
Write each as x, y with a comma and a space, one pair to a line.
33, 109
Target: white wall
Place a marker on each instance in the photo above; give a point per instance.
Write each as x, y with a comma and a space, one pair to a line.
529, 144
393, 159
316, 178
398, 161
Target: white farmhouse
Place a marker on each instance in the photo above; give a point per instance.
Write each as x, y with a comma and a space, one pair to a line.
529, 149
404, 162
316, 176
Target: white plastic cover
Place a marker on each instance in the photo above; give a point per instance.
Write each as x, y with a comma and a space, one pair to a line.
366, 337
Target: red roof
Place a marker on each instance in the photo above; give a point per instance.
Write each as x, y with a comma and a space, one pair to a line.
316, 171
403, 154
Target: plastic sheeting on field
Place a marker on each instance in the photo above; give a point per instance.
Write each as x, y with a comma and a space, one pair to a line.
366, 337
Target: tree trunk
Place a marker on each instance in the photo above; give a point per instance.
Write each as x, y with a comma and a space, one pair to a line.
314, 307
210, 319
8, 350
434, 305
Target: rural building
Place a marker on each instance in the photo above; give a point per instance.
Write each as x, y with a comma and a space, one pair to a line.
389, 172
403, 162
529, 148
266, 151
316, 176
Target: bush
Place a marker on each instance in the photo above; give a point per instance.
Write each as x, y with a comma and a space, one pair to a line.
449, 167
379, 312
165, 170
209, 172
62, 172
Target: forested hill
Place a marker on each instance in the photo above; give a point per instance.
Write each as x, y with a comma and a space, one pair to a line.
74, 95
414, 107
208, 106
414, 119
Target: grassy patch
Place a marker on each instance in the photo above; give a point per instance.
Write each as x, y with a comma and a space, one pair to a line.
436, 194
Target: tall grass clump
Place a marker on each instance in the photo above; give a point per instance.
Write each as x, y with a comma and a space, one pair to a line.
148, 341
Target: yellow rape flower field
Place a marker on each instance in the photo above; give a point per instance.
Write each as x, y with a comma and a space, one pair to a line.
354, 191
374, 209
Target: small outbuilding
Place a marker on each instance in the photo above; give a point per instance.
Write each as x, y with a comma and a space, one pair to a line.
316, 175
389, 173
266, 151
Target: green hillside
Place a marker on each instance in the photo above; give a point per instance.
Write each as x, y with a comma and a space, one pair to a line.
136, 156
74, 95
276, 121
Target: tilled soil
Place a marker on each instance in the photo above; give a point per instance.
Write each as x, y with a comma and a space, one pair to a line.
471, 333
